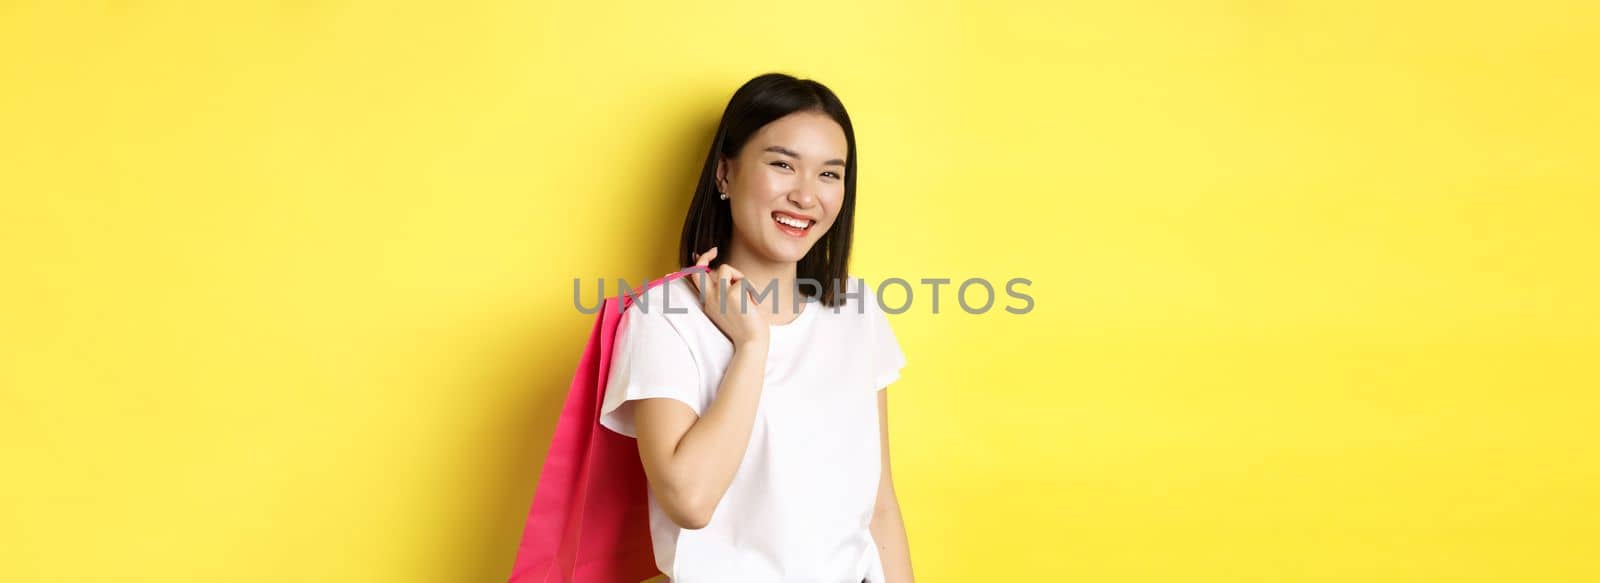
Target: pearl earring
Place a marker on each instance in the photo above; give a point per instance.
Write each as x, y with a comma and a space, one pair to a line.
723, 195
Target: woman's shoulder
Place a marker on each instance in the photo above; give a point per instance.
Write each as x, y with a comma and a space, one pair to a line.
669, 305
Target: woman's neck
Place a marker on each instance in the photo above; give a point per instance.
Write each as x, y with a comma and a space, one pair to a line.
761, 273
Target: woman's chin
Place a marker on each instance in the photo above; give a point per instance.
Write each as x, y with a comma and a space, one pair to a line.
788, 251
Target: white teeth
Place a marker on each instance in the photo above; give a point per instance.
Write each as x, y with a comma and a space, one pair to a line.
796, 223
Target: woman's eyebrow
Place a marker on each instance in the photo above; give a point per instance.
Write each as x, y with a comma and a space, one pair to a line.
791, 154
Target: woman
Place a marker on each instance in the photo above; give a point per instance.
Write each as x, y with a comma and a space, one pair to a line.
756, 391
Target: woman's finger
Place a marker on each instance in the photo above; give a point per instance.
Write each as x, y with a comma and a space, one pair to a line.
717, 287
732, 288
702, 260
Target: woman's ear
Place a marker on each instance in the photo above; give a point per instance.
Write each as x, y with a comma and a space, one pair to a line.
722, 174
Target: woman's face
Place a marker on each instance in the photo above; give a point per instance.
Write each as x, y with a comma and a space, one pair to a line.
789, 171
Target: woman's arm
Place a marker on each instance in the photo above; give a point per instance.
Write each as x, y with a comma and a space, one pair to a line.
690, 462
888, 528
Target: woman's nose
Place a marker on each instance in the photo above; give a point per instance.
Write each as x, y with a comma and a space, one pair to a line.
803, 195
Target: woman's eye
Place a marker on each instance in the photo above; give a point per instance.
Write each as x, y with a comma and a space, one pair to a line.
785, 166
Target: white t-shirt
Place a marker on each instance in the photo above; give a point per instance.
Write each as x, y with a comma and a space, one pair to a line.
800, 504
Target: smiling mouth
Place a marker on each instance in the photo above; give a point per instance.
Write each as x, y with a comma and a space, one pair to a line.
793, 226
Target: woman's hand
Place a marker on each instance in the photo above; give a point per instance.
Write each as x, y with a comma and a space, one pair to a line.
720, 298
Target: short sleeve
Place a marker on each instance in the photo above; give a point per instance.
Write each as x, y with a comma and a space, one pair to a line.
887, 359
650, 359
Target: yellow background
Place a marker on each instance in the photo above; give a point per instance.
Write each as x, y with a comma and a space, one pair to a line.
286, 286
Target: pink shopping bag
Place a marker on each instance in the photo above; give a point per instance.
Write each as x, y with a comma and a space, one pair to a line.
590, 520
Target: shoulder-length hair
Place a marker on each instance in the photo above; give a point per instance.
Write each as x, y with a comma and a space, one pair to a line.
758, 102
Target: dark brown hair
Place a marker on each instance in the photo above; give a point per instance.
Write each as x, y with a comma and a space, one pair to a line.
758, 102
